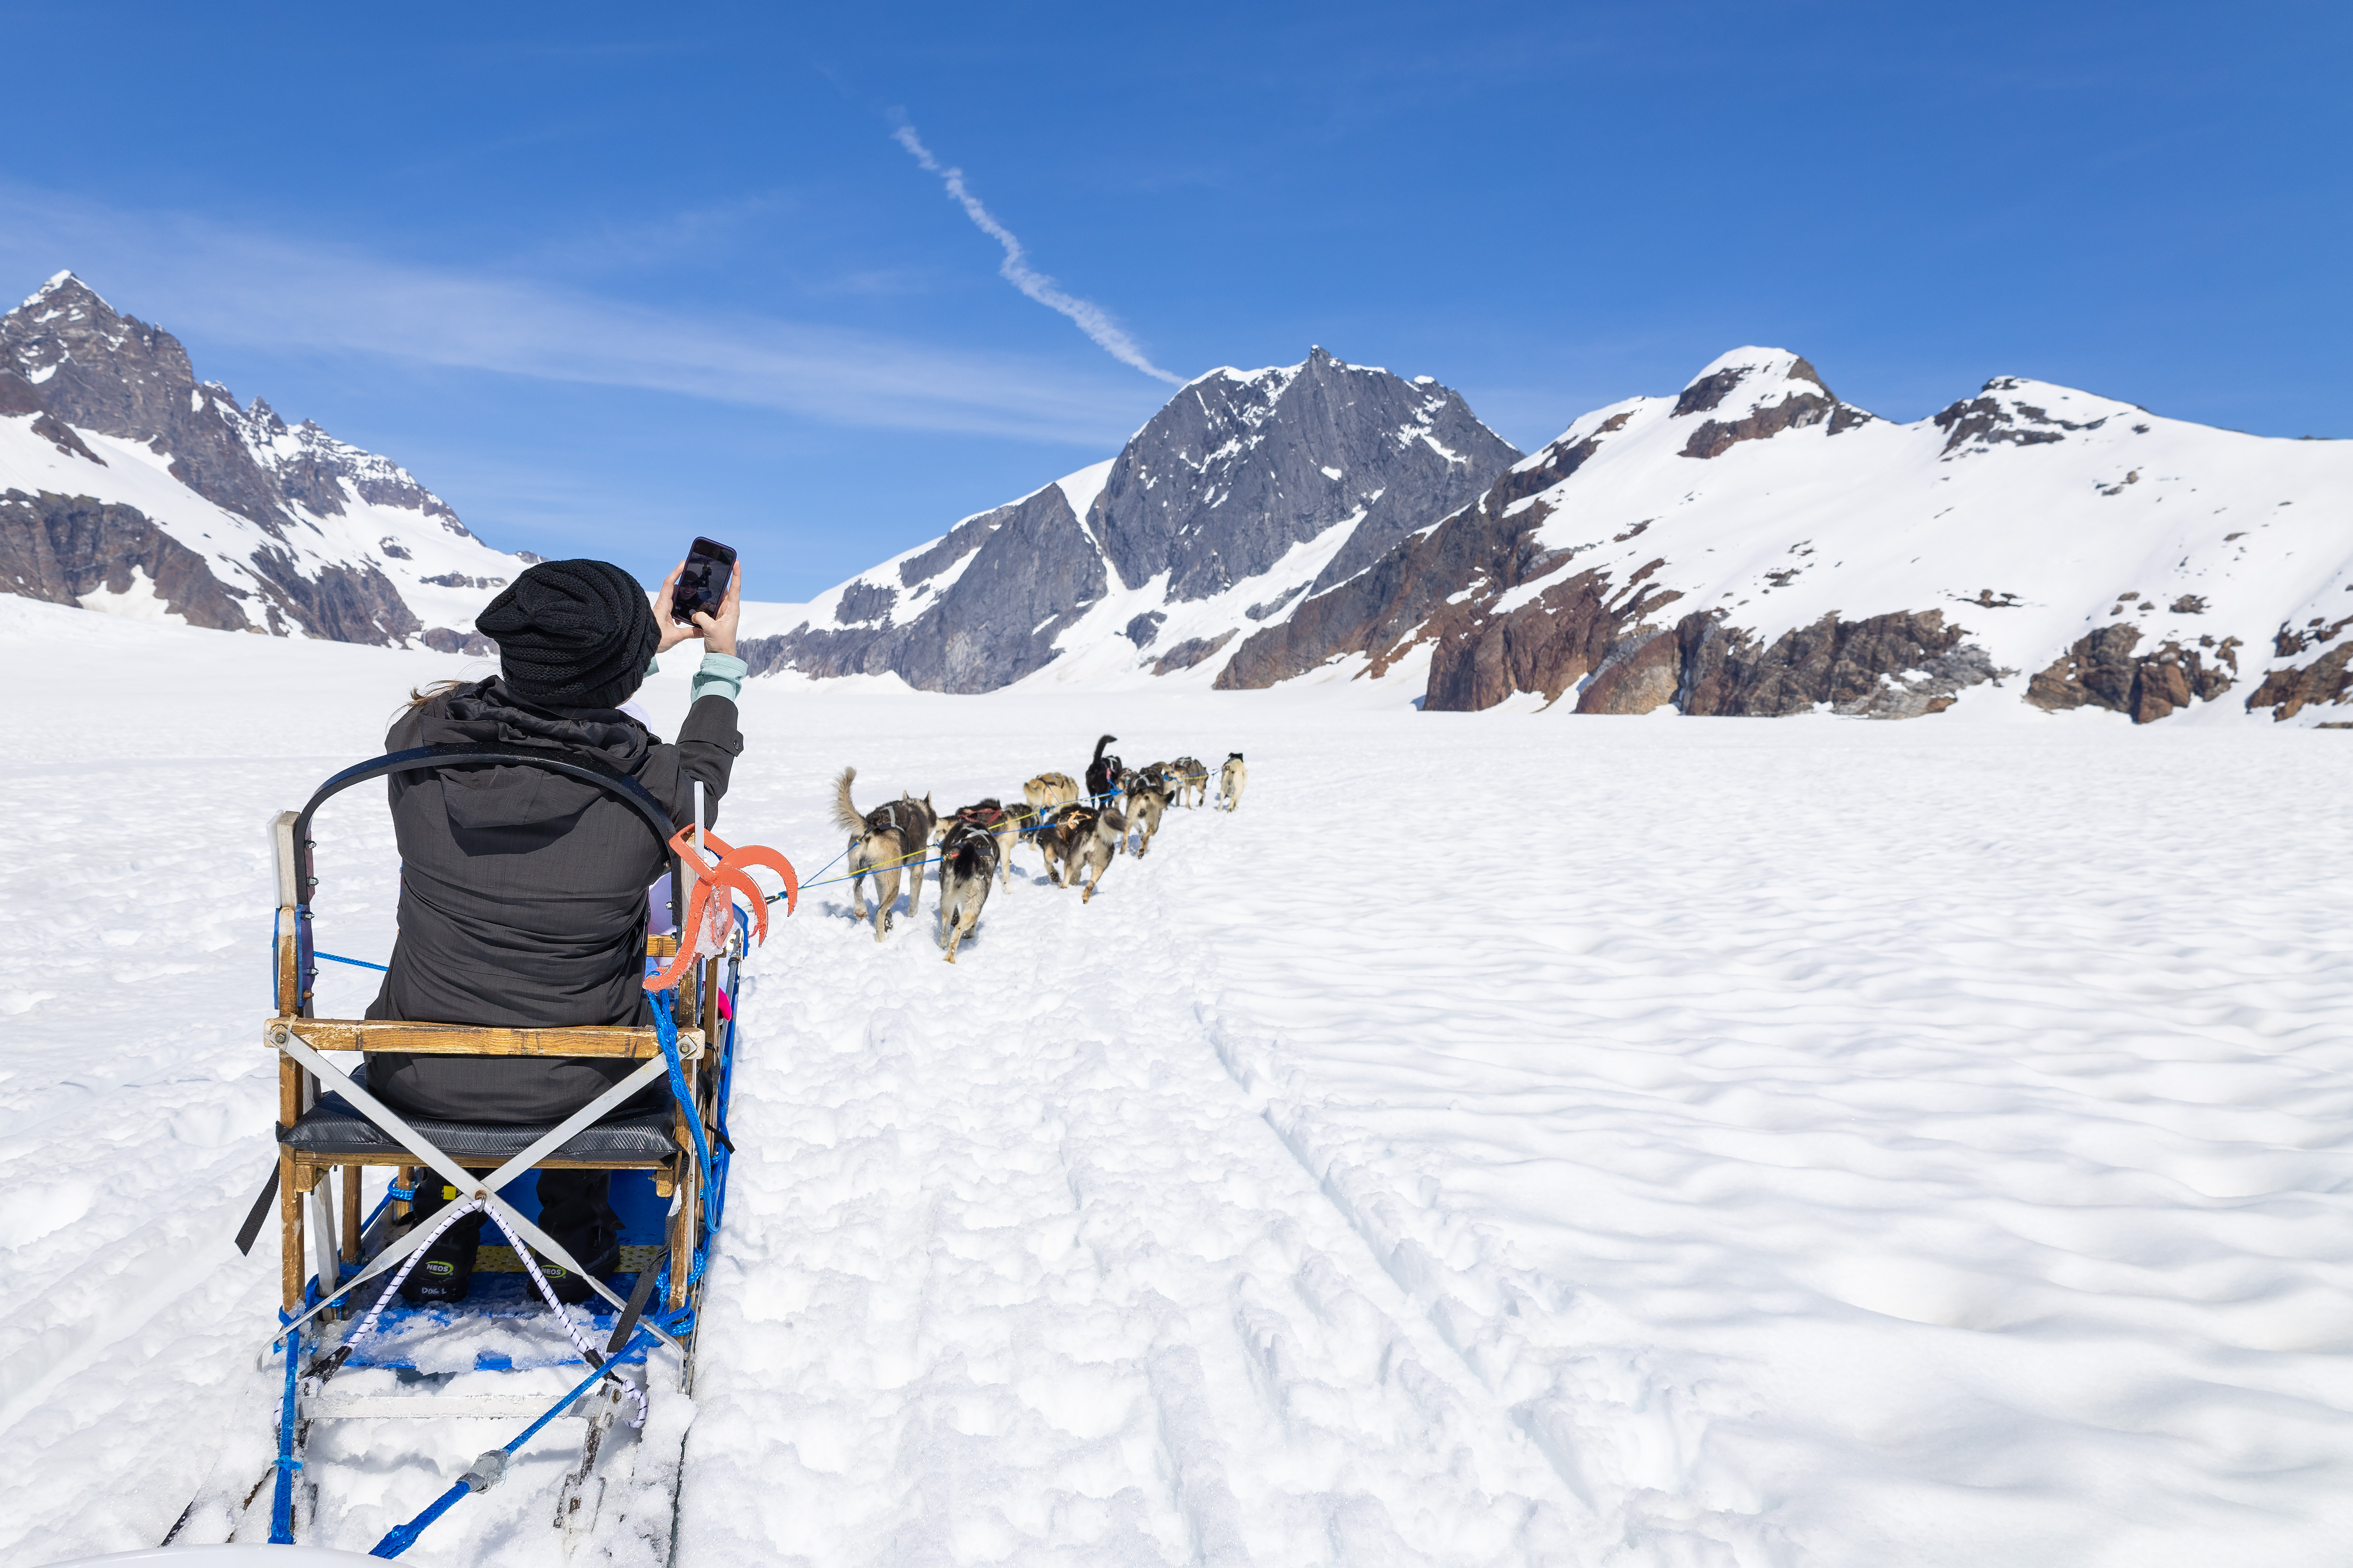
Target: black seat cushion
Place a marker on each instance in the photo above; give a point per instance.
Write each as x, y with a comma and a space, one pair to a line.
333, 1127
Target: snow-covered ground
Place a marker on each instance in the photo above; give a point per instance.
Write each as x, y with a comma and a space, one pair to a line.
1504, 1139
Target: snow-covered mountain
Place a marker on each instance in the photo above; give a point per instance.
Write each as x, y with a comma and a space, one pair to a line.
1756, 546
1751, 546
127, 485
1247, 491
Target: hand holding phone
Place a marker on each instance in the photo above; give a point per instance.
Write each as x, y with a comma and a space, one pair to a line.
700, 586
705, 595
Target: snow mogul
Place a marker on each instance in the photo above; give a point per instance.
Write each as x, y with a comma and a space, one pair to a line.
524, 892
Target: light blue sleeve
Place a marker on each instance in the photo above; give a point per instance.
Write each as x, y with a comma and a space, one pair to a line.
721, 675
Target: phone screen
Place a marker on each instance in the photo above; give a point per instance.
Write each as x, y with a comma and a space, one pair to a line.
703, 581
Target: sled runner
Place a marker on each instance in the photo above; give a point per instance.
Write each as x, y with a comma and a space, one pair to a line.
351, 1348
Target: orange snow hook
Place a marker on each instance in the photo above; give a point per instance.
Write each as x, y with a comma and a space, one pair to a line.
710, 909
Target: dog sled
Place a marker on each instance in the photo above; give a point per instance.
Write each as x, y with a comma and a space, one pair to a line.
354, 1361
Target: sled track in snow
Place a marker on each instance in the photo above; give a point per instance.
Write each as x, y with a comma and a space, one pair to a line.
1029, 1271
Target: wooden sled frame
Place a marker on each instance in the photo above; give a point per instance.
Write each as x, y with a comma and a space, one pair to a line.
321, 1236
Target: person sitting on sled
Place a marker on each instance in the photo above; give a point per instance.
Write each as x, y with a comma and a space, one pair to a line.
522, 893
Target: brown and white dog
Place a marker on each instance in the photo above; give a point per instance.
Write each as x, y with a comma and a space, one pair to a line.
1191, 779
968, 861
1049, 790
1080, 838
883, 842
999, 822
1230, 780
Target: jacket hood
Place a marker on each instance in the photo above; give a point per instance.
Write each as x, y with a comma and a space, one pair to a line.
515, 796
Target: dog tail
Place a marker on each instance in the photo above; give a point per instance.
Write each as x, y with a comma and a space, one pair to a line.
1106, 740
846, 815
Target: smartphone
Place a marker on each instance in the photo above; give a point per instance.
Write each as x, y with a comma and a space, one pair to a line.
703, 581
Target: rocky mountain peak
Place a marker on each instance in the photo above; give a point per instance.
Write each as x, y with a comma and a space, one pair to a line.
76, 365
1258, 481
116, 369
2010, 410
1754, 393
65, 291
1242, 466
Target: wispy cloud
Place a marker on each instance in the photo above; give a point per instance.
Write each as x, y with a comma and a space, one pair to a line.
1092, 318
210, 281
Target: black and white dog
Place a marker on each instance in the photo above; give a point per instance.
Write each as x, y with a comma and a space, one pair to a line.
969, 862
1144, 795
1001, 822
1230, 780
1102, 774
881, 842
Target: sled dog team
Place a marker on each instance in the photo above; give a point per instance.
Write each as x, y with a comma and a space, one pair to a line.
1077, 833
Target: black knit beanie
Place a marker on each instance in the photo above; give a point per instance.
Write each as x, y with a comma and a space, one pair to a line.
573, 634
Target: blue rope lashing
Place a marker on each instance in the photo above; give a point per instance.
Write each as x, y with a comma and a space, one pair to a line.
666, 1030
354, 963
872, 870
821, 871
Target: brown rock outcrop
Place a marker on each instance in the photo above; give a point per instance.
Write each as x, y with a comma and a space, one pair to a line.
1896, 665
2100, 669
2288, 693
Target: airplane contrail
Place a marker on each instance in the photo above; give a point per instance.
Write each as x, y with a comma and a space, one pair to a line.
1090, 318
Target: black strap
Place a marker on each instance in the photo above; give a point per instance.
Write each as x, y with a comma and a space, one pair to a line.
628, 1323
252, 1225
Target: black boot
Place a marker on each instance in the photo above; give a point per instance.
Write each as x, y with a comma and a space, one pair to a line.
576, 1212
447, 1268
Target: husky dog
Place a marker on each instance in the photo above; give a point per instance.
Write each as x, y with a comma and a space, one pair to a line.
1192, 779
1103, 773
1050, 790
1082, 837
880, 842
1144, 796
1230, 779
1056, 832
968, 860
1000, 823
1124, 783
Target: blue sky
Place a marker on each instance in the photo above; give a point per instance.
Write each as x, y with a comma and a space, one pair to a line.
609, 277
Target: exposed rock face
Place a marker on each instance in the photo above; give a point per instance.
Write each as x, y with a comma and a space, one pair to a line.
1189, 652
1989, 420
1804, 401
1897, 666
1503, 613
2288, 693
1031, 568
60, 548
76, 365
2101, 670
1379, 610
445, 639
1237, 469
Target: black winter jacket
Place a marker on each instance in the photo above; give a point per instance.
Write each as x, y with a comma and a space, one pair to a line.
522, 892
